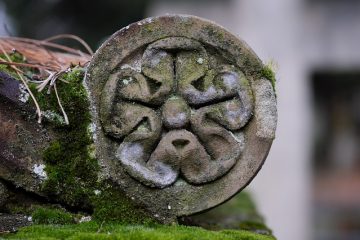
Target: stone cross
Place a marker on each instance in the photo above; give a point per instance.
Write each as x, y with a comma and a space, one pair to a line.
184, 118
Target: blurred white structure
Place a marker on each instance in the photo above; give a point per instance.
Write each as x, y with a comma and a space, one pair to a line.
3, 20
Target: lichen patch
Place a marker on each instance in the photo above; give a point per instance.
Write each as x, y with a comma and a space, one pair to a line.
39, 170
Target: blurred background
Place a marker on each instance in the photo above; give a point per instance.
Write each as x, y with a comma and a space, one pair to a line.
309, 187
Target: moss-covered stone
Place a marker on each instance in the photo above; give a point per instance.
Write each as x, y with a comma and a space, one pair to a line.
43, 215
93, 230
239, 213
268, 73
71, 168
72, 177
14, 57
111, 205
52, 222
71, 171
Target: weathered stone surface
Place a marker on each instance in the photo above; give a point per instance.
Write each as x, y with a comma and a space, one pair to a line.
22, 139
184, 120
4, 194
12, 222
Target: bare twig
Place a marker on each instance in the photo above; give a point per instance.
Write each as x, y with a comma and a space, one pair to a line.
44, 83
45, 43
61, 107
26, 65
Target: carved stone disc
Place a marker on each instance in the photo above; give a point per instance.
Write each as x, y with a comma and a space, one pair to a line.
183, 118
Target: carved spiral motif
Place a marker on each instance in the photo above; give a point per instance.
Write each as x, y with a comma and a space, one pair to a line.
178, 116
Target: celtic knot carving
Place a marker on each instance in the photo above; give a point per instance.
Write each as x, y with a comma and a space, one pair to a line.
178, 116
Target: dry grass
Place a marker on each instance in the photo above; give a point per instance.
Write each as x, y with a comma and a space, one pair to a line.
46, 57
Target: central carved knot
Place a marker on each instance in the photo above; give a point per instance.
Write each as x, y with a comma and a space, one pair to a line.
175, 113
181, 115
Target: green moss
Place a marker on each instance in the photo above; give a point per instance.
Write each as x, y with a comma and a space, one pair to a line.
111, 205
43, 215
15, 57
268, 73
214, 33
53, 153
238, 213
6, 69
72, 172
93, 230
71, 168
150, 27
254, 226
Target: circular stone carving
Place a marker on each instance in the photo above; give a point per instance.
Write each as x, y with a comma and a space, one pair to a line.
184, 118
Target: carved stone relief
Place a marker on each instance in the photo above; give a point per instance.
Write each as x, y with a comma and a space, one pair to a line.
177, 117
184, 119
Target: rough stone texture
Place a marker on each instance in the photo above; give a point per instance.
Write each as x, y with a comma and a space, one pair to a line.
4, 194
184, 119
22, 139
12, 222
